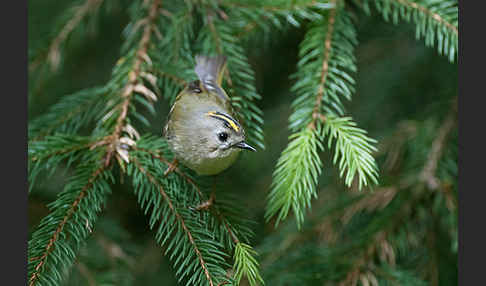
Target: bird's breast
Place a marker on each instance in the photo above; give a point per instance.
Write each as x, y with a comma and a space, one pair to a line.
207, 165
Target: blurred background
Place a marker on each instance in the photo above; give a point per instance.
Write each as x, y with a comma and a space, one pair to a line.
400, 85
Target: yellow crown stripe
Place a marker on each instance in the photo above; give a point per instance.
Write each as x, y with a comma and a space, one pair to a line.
227, 119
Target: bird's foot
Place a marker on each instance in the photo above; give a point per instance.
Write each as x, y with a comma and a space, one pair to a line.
206, 204
172, 167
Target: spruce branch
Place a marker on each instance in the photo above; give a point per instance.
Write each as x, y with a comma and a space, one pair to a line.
180, 193
204, 247
180, 220
228, 223
246, 265
374, 240
59, 235
376, 246
67, 208
353, 150
295, 177
377, 200
223, 218
428, 174
316, 112
265, 15
178, 80
322, 78
201, 244
228, 229
70, 114
433, 13
53, 55
403, 195
371, 246
276, 6
133, 85
393, 147
154, 154
436, 21
174, 72
363, 267
326, 58
49, 153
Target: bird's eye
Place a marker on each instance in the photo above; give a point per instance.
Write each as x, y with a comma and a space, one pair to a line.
223, 136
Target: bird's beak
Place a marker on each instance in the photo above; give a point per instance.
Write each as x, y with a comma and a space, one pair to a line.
244, 145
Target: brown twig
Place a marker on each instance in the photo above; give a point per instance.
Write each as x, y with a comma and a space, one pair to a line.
377, 200
133, 78
53, 54
316, 114
54, 237
178, 217
428, 173
393, 145
379, 244
225, 222
363, 265
434, 16
205, 205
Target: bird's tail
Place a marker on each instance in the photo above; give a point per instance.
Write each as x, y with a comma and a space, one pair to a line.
210, 69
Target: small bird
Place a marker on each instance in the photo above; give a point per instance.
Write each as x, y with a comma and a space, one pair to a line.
201, 128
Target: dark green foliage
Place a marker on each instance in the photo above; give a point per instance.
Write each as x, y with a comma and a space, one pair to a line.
341, 208
51, 152
53, 246
436, 21
78, 19
322, 80
228, 215
353, 150
69, 114
295, 177
116, 265
333, 84
189, 244
245, 264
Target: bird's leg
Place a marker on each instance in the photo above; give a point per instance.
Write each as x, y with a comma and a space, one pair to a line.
172, 167
206, 204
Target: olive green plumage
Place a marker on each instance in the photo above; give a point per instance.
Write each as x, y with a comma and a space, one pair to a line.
201, 129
